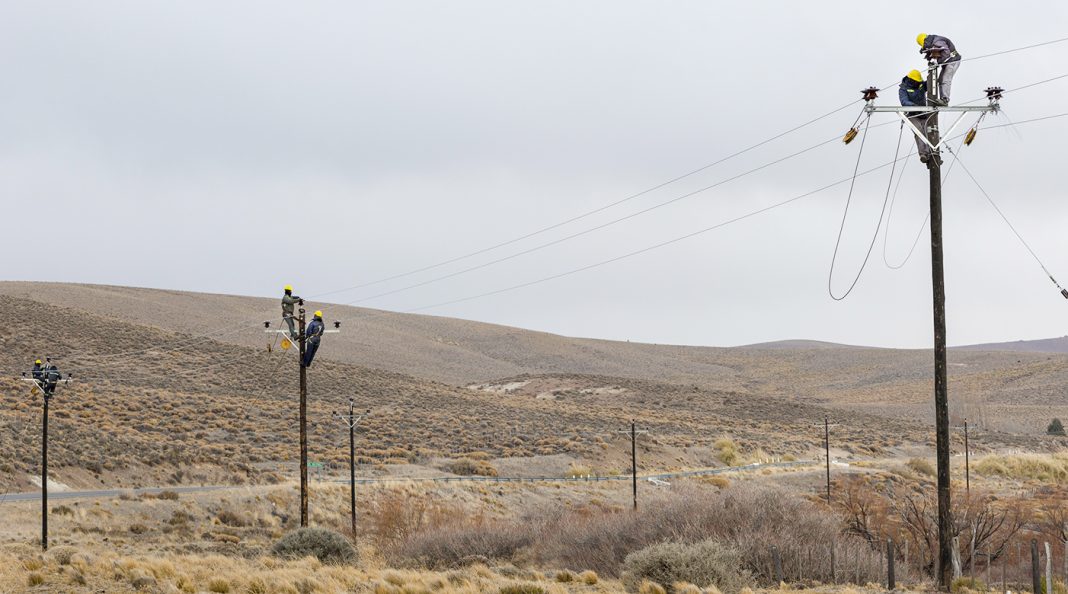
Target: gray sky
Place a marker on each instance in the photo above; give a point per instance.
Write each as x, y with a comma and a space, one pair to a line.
235, 147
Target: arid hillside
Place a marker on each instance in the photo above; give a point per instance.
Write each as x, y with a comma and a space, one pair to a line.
1008, 391
149, 407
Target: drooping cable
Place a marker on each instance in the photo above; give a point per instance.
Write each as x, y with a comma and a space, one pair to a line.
1011, 227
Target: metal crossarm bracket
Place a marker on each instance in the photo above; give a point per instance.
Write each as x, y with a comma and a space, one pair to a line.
913, 109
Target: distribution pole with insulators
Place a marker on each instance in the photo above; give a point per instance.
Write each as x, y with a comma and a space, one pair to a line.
303, 399
351, 420
931, 136
634, 432
46, 397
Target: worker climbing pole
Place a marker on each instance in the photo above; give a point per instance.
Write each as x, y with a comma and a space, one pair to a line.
45, 377
308, 337
921, 102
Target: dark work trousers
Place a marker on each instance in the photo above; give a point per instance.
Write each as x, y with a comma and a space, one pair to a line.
309, 351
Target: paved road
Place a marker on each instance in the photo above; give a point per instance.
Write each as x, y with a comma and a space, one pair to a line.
56, 495
106, 493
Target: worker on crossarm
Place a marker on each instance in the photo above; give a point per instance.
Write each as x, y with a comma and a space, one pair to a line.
38, 372
313, 334
942, 51
51, 379
289, 300
913, 92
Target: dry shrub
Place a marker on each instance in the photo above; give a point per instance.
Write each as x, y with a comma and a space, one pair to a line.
921, 466
522, 589
398, 515
34, 579
470, 467
588, 577
727, 451
325, 545
1045, 468
463, 543
706, 563
219, 585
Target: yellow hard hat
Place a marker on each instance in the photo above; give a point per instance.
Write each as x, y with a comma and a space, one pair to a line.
37, 362
921, 38
916, 76
318, 314
288, 287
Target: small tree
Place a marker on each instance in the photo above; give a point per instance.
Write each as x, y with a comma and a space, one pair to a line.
1055, 427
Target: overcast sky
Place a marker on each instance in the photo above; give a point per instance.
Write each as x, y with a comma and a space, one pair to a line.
235, 147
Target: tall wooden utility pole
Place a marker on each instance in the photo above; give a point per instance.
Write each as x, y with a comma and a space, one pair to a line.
827, 453
967, 461
44, 473
303, 421
931, 136
47, 388
941, 388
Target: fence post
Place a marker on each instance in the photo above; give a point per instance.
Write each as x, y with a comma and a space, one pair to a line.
776, 561
890, 564
1036, 574
1049, 570
834, 553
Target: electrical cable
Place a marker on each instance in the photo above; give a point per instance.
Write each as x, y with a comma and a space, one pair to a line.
632, 253
845, 213
1012, 227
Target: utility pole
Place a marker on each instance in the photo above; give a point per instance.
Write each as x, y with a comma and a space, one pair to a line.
634, 432
967, 459
302, 342
827, 424
303, 420
351, 420
932, 137
47, 388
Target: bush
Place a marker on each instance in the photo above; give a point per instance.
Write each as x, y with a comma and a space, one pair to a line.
727, 451
1055, 427
967, 584
707, 563
469, 467
522, 589
588, 577
921, 466
455, 545
325, 545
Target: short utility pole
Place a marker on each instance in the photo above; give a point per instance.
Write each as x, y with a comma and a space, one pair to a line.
351, 420
634, 432
46, 387
967, 459
931, 136
827, 424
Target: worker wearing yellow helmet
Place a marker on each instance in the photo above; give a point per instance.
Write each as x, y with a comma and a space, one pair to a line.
913, 92
940, 50
314, 334
38, 370
289, 300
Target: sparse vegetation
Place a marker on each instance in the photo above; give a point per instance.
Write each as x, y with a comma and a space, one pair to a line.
705, 563
1046, 468
325, 545
471, 467
1055, 427
921, 467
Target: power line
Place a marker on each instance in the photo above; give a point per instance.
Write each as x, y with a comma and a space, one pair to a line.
1011, 227
642, 250
596, 210
845, 214
598, 227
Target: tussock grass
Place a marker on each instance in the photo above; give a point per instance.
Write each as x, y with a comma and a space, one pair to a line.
1051, 468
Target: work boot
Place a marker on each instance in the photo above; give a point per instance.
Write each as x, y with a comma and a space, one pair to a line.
938, 102
923, 159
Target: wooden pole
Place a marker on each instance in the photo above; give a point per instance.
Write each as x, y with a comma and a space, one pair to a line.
941, 392
44, 473
303, 424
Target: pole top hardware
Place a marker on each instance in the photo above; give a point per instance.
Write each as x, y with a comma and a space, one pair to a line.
994, 93
870, 94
